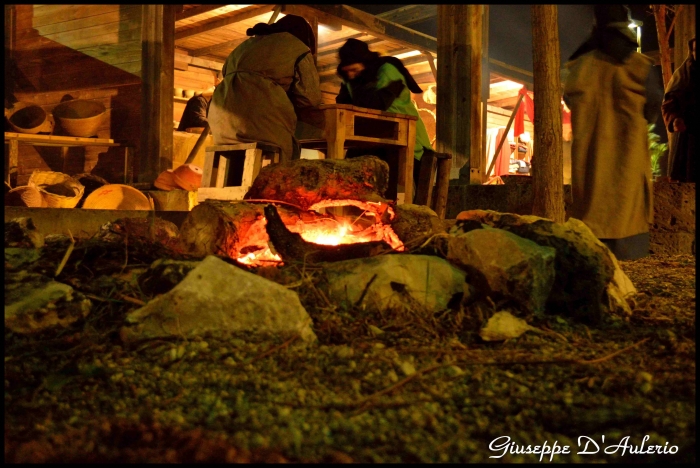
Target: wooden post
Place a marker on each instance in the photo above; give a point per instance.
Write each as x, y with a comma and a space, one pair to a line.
467, 63
485, 88
684, 30
664, 49
157, 74
547, 162
445, 121
9, 51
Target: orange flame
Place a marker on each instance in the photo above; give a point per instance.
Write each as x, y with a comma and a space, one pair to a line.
329, 233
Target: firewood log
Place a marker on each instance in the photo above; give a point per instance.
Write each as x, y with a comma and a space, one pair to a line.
291, 247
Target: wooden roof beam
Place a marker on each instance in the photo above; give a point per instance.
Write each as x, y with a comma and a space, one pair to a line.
209, 25
201, 9
410, 14
328, 21
378, 27
212, 48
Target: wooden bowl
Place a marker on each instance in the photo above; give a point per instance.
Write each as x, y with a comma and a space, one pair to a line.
27, 196
188, 177
26, 117
79, 117
116, 197
166, 181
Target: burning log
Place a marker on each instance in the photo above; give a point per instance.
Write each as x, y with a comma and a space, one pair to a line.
309, 184
292, 247
237, 229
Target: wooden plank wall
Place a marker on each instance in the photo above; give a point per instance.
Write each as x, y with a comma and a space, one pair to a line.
63, 52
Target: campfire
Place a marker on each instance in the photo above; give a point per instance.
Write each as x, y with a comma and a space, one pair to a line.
308, 211
339, 225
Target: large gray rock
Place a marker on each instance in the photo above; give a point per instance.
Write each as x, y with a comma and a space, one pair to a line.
500, 263
34, 303
584, 265
217, 296
426, 280
414, 224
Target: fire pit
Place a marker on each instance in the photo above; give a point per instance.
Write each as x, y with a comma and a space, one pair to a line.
326, 210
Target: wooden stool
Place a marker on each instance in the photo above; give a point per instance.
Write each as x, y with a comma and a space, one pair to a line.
424, 185
229, 170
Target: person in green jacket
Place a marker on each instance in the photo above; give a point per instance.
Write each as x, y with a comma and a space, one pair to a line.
382, 83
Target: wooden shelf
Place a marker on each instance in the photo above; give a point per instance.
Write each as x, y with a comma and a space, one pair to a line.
181, 99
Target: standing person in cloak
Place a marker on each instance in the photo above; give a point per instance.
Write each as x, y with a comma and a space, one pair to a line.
195, 113
382, 83
266, 81
613, 96
680, 111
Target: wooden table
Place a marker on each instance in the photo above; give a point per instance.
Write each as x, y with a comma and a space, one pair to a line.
64, 142
333, 127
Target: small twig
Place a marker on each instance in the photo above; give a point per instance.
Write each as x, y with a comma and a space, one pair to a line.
66, 255
397, 385
133, 300
364, 291
271, 350
610, 356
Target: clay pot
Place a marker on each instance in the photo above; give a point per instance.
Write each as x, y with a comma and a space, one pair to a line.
79, 117
188, 177
117, 197
26, 196
25, 117
188, 93
166, 181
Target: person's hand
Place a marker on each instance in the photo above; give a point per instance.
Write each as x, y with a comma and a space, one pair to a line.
679, 125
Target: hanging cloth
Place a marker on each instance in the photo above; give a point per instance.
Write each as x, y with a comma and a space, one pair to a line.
502, 166
528, 105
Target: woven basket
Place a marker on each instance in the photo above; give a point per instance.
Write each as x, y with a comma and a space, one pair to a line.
26, 195
58, 189
79, 117
27, 117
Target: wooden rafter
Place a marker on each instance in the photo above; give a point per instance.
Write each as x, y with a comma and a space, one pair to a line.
328, 21
212, 48
370, 24
410, 14
196, 11
208, 25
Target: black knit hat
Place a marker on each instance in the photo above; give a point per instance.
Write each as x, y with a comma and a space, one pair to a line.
606, 14
292, 24
354, 51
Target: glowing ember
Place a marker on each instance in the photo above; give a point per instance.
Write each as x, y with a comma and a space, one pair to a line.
328, 232
328, 238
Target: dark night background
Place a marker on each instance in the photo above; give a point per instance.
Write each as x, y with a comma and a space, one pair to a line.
510, 29
510, 33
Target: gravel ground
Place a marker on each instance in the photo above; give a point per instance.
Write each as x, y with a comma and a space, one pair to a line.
360, 394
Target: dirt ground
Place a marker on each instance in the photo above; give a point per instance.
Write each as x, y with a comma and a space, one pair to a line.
376, 388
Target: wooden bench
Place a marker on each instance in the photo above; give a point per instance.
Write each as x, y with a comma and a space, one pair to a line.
229, 170
333, 127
